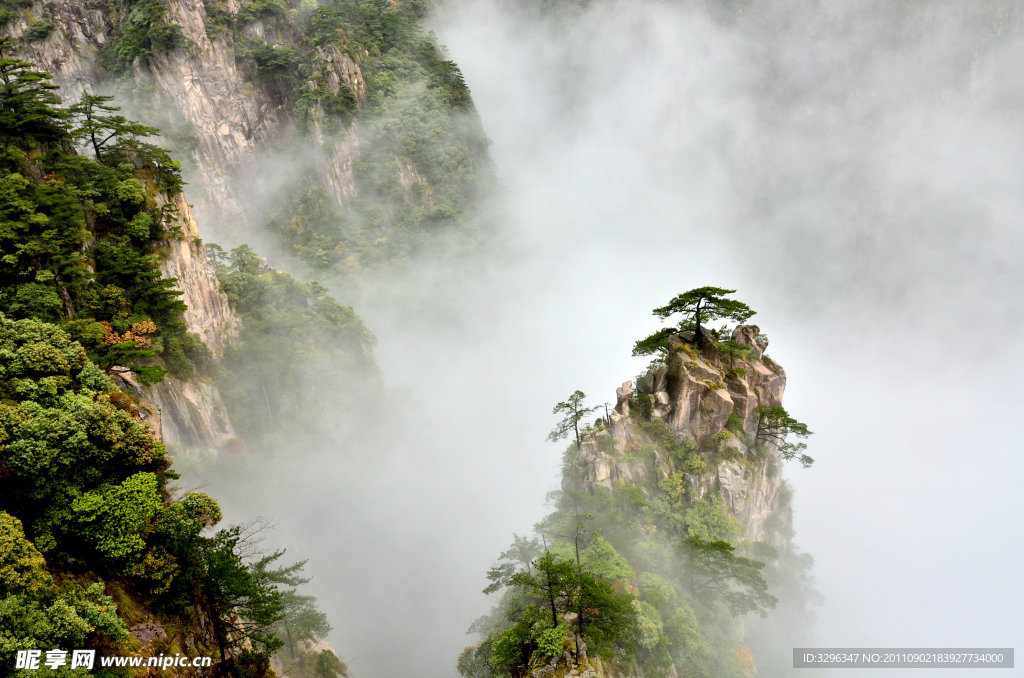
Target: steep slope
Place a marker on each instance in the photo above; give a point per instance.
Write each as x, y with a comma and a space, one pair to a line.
97, 547
692, 403
334, 134
671, 529
194, 419
345, 106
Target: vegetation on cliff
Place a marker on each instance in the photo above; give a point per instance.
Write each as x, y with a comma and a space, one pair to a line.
367, 87
274, 401
421, 164
651, 572
80, 237
93, 537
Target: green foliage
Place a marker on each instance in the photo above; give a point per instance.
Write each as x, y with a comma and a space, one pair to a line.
78, 236
602, 560
658, 591
550, 641
715, 572
301, 623
117, 518
69, 617
315, 225
242, 601
253, 10
82, 479
641, 406
648, 626
632, 590
116, 136
40, 29
708, 519
573, 412
664, 436
719, 439
28, 104
698, 306
326, 343
422, 165
143, 31
734, 424
694, 464
22, 567
774, 424
733, 351
655, 344
325, 664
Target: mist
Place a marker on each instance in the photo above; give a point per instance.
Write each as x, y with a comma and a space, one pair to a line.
854, 171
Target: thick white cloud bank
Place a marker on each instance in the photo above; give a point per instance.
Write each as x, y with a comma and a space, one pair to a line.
854, 169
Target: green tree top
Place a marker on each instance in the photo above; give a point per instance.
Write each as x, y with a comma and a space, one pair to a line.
700, 306
95, 125
716, 573
28, 103
574, 412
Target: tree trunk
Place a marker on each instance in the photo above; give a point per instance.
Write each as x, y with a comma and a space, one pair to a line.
697, 338
222, 642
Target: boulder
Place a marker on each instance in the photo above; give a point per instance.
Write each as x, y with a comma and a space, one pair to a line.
622, 397
715, 408
148, 631
748, 336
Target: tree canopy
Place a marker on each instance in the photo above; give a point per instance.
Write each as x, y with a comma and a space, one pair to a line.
774, 425
573, 412
699, 307
86, 513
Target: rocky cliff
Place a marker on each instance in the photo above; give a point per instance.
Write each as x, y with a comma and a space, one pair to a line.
189, 415
710, 407
199, 88
262, 100
672, 530
273, 108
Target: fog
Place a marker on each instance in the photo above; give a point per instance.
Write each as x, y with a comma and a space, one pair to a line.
853, 169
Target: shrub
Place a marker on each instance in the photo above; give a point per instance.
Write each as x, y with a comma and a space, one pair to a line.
694, 464
734, 424
642, 405
39, 30
550, 641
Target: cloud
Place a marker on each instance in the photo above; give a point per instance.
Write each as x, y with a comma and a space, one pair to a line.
852, 168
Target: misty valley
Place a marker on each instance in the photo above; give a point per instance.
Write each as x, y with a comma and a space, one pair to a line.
374, 338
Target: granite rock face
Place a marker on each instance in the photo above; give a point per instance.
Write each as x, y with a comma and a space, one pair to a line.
698, 397
208, 314
202, 87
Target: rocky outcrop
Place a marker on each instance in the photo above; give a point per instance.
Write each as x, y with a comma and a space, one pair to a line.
69, 52
710, 406
200, 87
148, 631
208, 314
189, 416
194, 421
